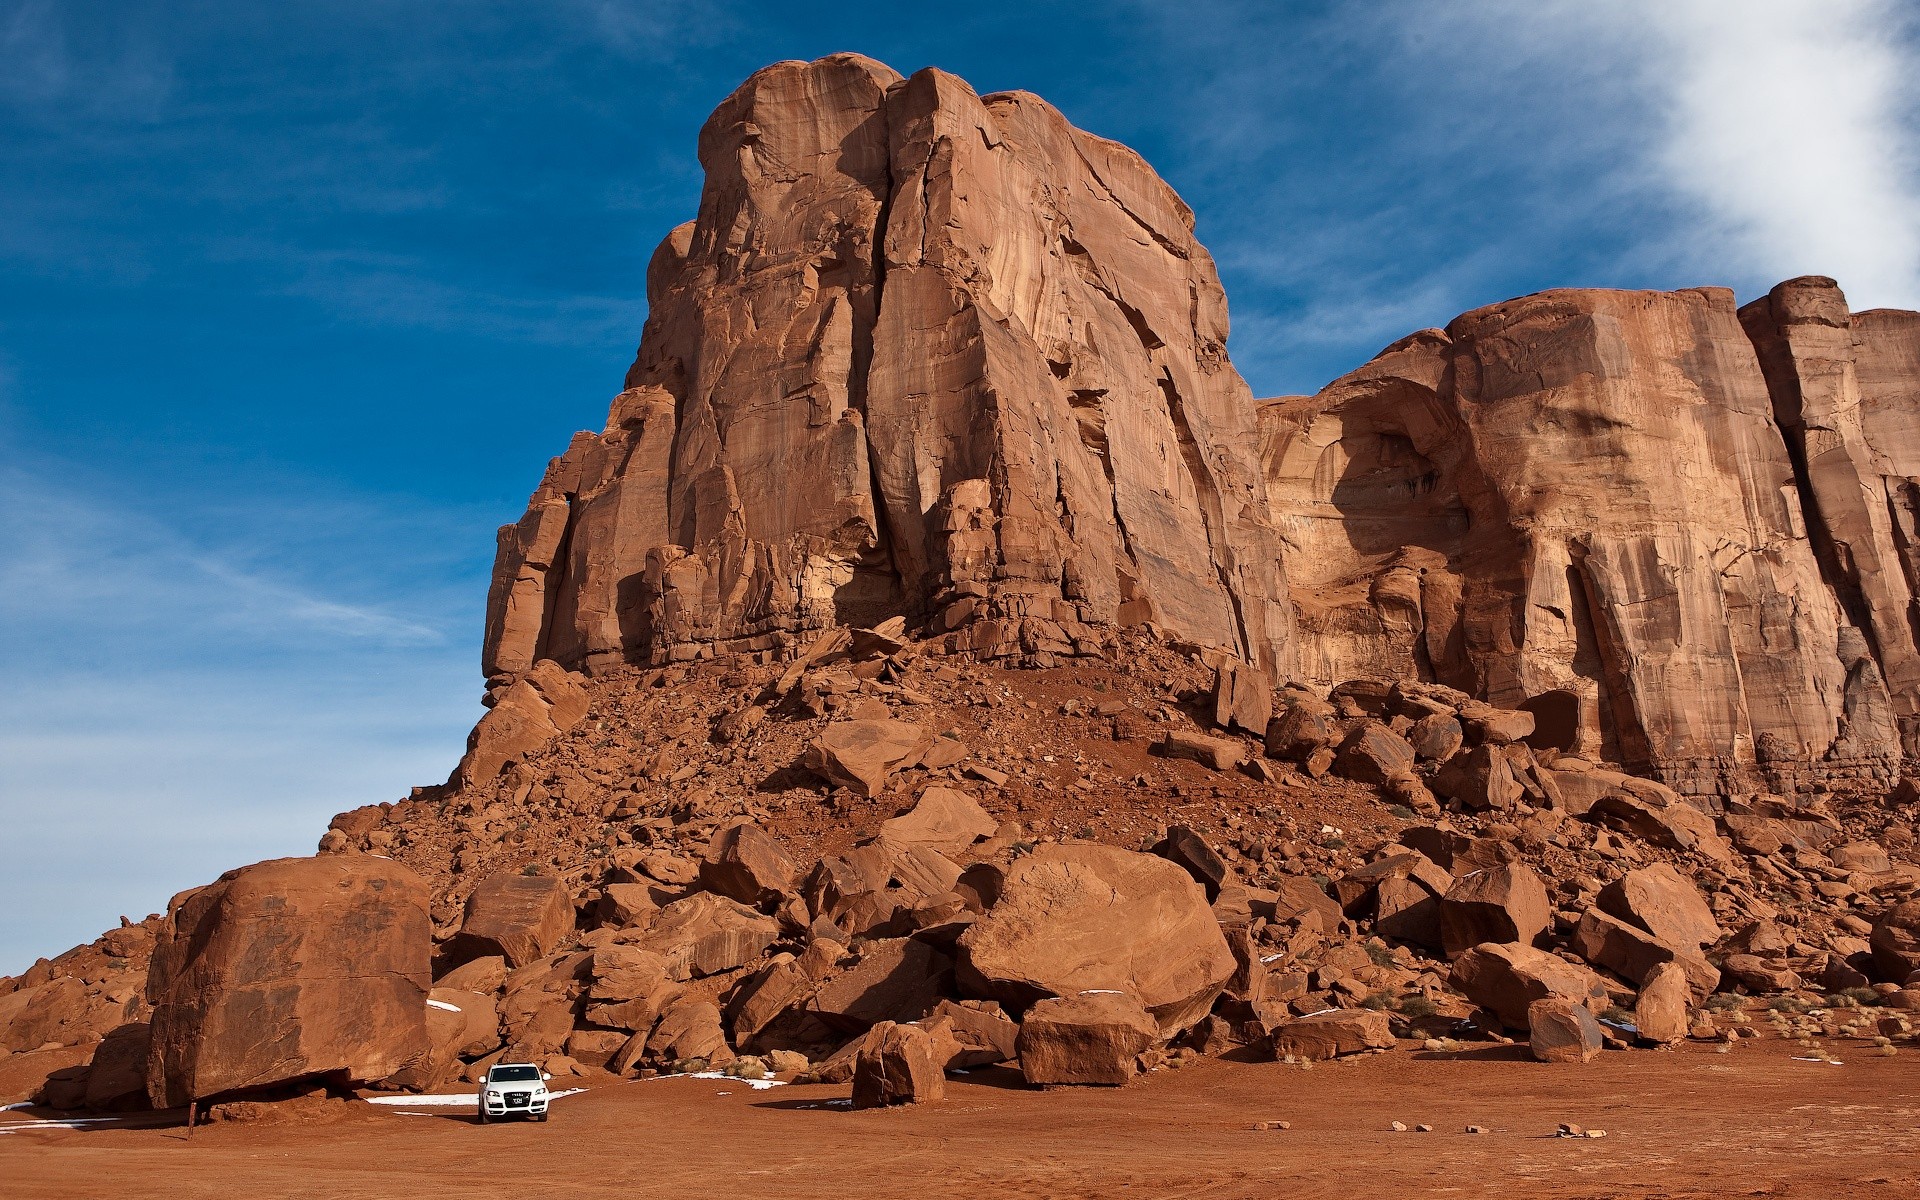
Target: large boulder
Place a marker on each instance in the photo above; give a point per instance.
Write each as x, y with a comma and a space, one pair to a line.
1503, 903
981, 1033
1092, 1037
865, 755
521, 918
1563, 1031
1373, 753
689, 1029
899, 1064
289, 969
1323, 1035
1632, 953
540, 1005
945, 820
117, 1076
1188, 849
1661, 1011
893, 979
706, 934
1896, 942
1078, 917
1242, 698
535, 709
1652, 814
744, 863
1221, 754
1300, 731
1480, 779
777, 988
630, 984
1665, 903
1504, 980
459, 1024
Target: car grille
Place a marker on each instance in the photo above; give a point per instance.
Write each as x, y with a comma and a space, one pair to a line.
518, 1099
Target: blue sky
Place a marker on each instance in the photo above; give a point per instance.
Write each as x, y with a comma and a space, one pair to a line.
296, 300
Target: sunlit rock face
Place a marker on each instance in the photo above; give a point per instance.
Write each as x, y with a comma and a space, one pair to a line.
922, 353
935, 356
1584, 494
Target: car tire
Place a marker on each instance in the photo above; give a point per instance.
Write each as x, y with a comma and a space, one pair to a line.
542, 1118
483, 1114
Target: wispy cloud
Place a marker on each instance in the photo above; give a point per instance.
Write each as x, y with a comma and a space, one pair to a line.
654, 28
399, 295
76, 559
191, 691
53, 65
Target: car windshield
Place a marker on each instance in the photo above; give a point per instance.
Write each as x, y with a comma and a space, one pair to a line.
513, 1074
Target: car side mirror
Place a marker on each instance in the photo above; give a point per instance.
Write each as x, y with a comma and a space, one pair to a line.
544, 1077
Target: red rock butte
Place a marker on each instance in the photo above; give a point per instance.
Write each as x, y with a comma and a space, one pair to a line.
945, 357
941, 661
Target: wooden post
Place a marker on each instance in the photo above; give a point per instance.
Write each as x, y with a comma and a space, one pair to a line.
193, 1112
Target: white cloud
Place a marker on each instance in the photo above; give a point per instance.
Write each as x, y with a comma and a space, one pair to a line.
1788, 125
1784, 129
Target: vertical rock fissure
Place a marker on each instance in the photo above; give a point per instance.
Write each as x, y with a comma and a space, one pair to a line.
556, 580
1903, 549
860, 378
1630, 740
1212, 514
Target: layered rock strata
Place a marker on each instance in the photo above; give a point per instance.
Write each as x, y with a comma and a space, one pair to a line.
921, 353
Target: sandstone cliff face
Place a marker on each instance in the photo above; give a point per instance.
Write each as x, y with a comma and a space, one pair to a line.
943, 357
1584, 493
921, 354
1846, 394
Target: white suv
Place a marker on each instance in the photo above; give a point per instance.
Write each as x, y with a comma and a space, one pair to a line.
514, 1090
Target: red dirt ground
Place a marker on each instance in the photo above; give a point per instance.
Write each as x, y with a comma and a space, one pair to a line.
1686, 1124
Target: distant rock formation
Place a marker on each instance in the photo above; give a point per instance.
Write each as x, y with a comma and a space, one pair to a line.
934, 356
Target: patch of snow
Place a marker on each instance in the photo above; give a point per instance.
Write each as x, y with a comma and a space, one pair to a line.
12, 1107
65, 1123
443, 1006
1102, 992
758, 1085
1810, 1058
